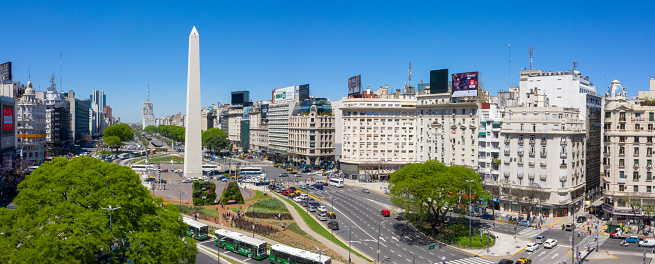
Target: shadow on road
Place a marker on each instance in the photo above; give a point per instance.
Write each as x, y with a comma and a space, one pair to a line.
410, 235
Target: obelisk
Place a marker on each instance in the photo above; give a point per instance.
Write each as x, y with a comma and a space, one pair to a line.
192, 135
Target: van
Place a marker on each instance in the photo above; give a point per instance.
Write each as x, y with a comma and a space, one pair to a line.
649, 242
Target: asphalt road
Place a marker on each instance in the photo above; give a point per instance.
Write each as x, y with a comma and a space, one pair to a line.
204, 258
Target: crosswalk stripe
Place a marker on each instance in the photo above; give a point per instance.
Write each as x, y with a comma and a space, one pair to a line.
472, 260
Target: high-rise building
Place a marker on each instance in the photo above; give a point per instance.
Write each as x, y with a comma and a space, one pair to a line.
379, 133
148, 118
99, 101
31, 132
311, 134
259, 127
6, 75
79, 113
627, 158
58, 122
572, 89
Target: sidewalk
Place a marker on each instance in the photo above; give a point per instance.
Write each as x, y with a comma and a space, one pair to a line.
375, 186
506, 246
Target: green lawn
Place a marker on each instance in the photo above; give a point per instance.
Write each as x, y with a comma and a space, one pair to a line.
259, 195
318, 228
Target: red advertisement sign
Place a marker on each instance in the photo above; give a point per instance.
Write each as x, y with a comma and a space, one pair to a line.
7, 119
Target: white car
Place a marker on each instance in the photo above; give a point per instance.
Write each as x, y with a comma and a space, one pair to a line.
297, 199
531, 247
550, 243
322, 209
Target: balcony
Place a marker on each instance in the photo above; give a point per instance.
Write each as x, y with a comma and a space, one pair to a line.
520, 141
562, 178
543, 163
532, 141
507, 140
562, 142
531, 153
520, 152
562, 155
520, 175
542, 153
543, 177
530, 175
506, 173
531, 163
635, 166
562, 165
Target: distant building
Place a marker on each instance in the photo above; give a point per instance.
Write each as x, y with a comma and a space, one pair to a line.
148, 118
240, 98
259, 127
311, 134
31, 132
79, 111
7, 135
58, 123
99, 101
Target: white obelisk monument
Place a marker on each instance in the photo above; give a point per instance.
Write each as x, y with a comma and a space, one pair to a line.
192, 136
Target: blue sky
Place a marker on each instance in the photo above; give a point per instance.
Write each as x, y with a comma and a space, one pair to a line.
120, 46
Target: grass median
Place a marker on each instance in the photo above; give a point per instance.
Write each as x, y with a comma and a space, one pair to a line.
319, 229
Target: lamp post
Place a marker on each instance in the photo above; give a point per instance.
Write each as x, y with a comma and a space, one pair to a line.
470, 210
218, 250
320, 253
350, 231
379, 227
110, 209
414, 259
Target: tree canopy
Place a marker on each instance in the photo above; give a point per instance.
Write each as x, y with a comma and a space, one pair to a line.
112, 141
123, 131
174, 132
60, 219
151, 129
430, 189
215, 139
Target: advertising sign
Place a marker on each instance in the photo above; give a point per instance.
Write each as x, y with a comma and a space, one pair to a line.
246, 112
465, 84
7, 120
355, 85
439, 81
264, 110
284, 93
303, 92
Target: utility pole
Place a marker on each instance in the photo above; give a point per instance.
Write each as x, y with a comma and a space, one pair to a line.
379, 227
320, 253
110, 209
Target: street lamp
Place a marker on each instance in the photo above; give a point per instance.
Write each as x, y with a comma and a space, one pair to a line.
379, 227
110, 209
218, 250
320, 252
414, 259
350, 233
470, 209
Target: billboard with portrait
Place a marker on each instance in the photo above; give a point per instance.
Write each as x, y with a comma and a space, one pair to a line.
355, 85
264, 111
465, 84
303, 92
284, 94
8, 120
246, 113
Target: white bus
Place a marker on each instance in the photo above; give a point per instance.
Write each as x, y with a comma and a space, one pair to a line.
196, 229
336, 182
250, 171
209, 168
142, 167
286, 254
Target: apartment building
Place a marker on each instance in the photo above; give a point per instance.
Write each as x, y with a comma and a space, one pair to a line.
379, 134
31, 126
489, 142
447, 131
627, 163
259, 127
278, 126
546, 143
311, 134
234, 117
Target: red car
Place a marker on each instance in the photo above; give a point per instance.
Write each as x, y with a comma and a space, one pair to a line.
285, 193
164, 170
385, 212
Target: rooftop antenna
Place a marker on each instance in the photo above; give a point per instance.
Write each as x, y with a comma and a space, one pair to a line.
531, 55
148, 90
29, 74
410, 73
509, 66
575, 64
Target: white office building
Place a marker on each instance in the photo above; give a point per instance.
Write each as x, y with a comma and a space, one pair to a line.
31, 126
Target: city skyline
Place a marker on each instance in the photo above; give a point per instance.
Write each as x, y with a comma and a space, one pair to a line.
119, 49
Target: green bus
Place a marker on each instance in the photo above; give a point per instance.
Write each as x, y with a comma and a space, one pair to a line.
240, 243
197, 230
286, 254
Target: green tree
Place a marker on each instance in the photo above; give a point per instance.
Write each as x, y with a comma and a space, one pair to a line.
215, 139
428, 190
123, 131
151, 129
60, 219
113, 142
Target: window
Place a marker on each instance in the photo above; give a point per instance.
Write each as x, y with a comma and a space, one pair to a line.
636, 140
622, 174
608, 114
635, 176
636, 188
649, 176
636, 151
621, 188
647, 188
621, 150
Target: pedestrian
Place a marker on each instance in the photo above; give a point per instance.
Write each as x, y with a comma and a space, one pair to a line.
214, 220
494, 226
443, 259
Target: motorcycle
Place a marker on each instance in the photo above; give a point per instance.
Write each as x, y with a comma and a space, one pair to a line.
624, 243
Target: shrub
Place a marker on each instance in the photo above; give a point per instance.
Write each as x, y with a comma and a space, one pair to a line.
273, 204
232, 192
204, 193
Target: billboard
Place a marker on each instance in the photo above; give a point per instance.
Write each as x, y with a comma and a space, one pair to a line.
465, 84
284, 93
246, 113
303, 92
237, 98
5, 72
8, 120
439, 81
264, 110
355, 85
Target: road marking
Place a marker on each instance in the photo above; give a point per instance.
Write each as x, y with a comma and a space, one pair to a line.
554, 256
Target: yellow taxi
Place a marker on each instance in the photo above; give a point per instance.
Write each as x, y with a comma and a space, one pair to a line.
524, 261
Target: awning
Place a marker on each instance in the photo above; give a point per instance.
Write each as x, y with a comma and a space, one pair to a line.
483, 122
483, 133
496, 123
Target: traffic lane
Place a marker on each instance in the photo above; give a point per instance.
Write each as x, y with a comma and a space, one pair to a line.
398, 239
241, 258
545, 255
614, 245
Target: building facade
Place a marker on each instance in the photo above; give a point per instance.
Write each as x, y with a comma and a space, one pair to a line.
379, 134
259, 127
58, 123
79, 113
31, 127
311, 134
278, 126
148, 118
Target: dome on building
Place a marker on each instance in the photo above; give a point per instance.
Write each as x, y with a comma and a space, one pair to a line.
29, 89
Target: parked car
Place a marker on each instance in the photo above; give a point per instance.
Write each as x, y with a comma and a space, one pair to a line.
366, 190
531, 247
334, 225
164, 170
540, 239
487, 216
632, 239
385, 212
321, 209
550, 243
321, 216
524, 223
312, 208
582, 219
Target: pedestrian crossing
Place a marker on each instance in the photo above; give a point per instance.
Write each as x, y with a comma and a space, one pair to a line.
472, 260
530, 232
